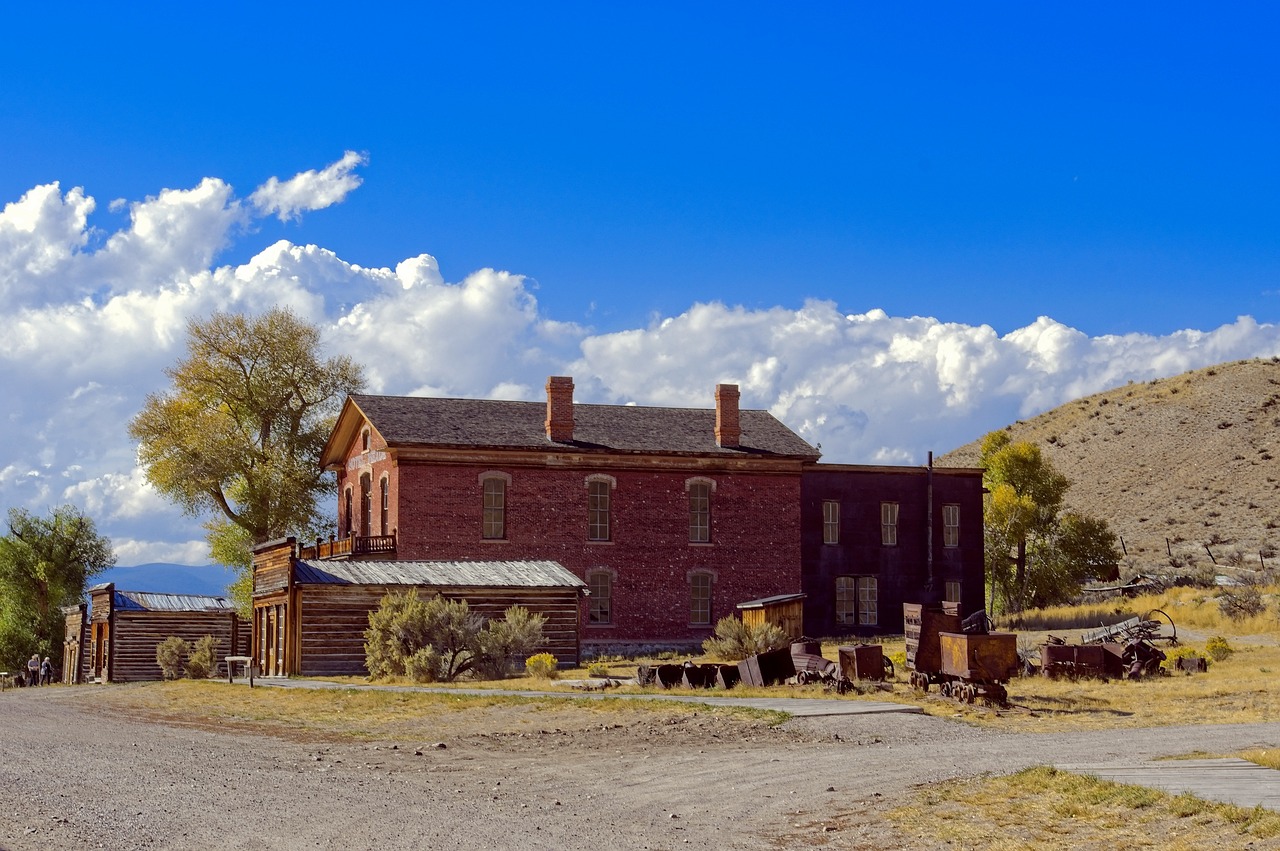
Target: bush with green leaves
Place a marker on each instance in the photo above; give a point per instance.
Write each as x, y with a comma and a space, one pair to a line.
169, 656
202, 660
1217, 648
441, 639
598, 669
542, 666
735, 640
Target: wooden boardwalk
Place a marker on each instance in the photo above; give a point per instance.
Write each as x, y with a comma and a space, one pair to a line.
1230, 781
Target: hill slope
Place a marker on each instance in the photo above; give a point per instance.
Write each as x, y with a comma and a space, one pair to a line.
1174, 465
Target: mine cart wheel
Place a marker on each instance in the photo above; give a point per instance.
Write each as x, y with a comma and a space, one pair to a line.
1160, 617
888, 668
970, 693
945, 689
802, 678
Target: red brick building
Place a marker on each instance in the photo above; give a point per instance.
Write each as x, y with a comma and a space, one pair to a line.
671, 516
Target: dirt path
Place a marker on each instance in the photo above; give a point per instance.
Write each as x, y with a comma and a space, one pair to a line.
73, 778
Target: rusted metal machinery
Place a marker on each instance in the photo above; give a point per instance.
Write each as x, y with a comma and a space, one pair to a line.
965, 665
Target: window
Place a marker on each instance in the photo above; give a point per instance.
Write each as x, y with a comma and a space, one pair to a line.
830, 521
868, 597
598, 508
600, 597
952, 592
366, 504
495, 508
385, 513
889, 524
950, 525
846, 601
699, 513
364, 440
346, 513
857, 601
700, 598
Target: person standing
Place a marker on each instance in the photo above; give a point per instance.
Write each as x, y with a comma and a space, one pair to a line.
33, 670
46, 672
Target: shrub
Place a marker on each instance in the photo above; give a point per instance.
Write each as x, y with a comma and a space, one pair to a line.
423, 665
735, 640
598, 669
515, 636
397, 629
542, 666
169, 656
202, 661
1217, 648
1240, 603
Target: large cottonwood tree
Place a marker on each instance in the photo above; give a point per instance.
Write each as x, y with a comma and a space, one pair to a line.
45, 564
237, 437
1037, 552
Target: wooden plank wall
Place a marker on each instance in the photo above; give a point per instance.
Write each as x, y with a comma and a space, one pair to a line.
75, 647
271, 568
135, 634
336, 616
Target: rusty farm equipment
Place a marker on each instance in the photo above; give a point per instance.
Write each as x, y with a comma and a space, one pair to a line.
961, 656
1124, 649
800, 664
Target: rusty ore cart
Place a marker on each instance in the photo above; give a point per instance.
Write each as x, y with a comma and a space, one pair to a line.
963, 665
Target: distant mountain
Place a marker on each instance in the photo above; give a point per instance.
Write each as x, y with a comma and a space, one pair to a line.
1184, 469
209, 579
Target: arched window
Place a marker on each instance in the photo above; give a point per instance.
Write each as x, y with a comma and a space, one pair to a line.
385, 487
366, 504
347, 517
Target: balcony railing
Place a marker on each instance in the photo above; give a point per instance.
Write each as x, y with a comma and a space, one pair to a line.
353, 546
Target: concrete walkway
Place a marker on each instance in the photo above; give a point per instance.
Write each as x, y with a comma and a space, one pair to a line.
797, 707
1229, 781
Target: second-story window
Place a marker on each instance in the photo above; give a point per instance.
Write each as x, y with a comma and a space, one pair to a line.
495, 508
889, 524
385, 501
347, 516
366, 504
699, 513
830, 521
950, 525
598, 514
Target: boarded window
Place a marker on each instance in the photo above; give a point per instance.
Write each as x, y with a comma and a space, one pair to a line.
830, 521
889, 524
951, 525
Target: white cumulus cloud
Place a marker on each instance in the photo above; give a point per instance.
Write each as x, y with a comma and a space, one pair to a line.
309, 190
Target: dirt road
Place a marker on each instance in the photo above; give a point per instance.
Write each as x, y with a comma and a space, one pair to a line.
71, 777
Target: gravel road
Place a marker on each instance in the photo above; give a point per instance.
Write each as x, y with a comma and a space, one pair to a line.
72, 777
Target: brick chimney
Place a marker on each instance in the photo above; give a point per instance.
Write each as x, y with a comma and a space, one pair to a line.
560, 408
728, 431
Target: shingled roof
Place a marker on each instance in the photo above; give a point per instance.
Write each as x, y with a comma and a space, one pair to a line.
411, 421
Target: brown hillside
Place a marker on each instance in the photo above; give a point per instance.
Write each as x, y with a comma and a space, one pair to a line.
1174, 465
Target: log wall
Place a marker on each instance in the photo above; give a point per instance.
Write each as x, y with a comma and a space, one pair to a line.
135, 634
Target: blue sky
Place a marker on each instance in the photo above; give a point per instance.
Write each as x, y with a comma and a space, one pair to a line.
861, 213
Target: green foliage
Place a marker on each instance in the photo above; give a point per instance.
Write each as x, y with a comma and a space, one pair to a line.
542, 666
45, 564
1217, 648
501, 642
1036, 554
735, 640
423, 665
598, 669
442, 639
169, 656
239, 433
202, 661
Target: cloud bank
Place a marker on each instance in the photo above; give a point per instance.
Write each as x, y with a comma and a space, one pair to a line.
94, 319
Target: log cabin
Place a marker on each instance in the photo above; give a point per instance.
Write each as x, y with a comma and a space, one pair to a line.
113, 637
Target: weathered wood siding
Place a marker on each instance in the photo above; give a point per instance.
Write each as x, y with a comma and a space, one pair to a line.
334, 618
135, 634
272, 563
75, 645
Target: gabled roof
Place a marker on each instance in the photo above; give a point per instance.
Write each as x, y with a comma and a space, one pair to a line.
412, 421
149, 601
439, 574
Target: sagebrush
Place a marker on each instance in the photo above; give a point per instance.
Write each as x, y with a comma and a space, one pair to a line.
735, 640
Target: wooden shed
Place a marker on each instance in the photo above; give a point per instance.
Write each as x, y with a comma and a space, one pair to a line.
113, 638
309, 616
785, 611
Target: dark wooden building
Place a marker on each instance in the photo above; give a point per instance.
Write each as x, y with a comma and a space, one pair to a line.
310, 615
876, 537
113, 637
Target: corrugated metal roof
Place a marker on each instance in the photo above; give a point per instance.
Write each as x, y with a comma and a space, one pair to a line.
770, 601
501, 574
146, 601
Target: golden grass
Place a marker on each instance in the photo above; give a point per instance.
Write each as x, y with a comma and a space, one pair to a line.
1043, 809
1193, 608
